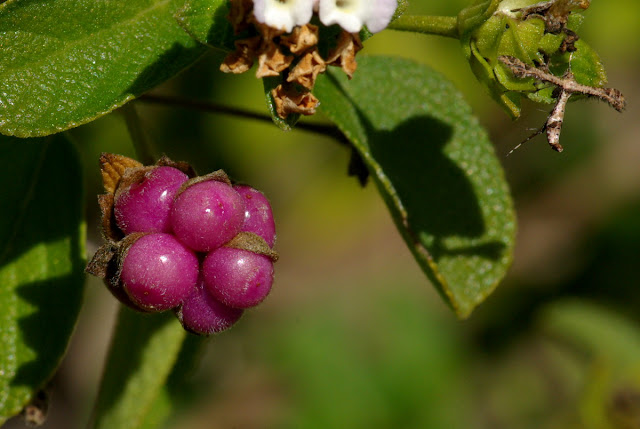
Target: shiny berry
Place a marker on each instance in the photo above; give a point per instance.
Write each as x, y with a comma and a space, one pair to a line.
159, 272
258, 217
145, 206
238, 278
207, 214
202, 314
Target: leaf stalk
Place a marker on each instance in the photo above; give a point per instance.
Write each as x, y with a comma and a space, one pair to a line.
446, 26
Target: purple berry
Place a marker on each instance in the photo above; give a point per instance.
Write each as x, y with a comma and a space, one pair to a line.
203, 314
258, 217
238, 278
145, 206
159, 272
207, 214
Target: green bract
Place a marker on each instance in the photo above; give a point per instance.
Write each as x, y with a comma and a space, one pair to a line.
489, 30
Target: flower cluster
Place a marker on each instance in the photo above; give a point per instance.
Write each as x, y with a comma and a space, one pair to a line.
279, 35
199, 246
349, 14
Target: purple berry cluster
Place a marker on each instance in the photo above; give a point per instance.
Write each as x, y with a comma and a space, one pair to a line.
199, 246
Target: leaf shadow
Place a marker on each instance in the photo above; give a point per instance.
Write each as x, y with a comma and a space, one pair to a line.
438, 197
221, 30
49, 300
170, 63
48, 224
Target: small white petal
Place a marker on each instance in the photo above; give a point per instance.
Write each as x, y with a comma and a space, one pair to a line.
349, 14
353, 14
380, 15
283, 14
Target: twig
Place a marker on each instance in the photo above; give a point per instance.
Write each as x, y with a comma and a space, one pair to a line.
208, 107
520, 69
566, 87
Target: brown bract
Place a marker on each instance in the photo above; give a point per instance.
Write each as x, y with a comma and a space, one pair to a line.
307, 70
301, 38
272, 61
288, 99
294, 56
268, 33
241, 60
240, 15
112, 168
344, 54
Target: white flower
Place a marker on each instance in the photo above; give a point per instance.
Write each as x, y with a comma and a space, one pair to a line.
353, 14
283, 14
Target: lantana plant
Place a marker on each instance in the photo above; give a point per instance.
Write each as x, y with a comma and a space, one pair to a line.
65, 63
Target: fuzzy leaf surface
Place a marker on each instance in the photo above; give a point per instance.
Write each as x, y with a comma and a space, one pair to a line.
206, 21
42, 259
435, 169
67, 62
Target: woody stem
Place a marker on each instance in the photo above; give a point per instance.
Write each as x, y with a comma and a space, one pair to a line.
446, 26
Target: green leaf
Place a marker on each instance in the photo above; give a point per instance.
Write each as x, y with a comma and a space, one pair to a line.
42, 256
435, 168
586, 66
181, 389
206, 21
143, 351
81, 59
472, 17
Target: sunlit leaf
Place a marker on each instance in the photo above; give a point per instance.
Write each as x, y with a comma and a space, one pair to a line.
435, 168
206, 21
41, 263
67, 62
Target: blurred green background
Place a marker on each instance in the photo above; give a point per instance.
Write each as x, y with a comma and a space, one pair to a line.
353, 335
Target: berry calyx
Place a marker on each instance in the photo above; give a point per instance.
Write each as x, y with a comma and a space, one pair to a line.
202, 314
258, 217
236, 277
207, 214
158, 272
145, 205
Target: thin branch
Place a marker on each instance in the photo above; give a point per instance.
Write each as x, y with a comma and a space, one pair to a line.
566, 86
208, 107
520, 69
